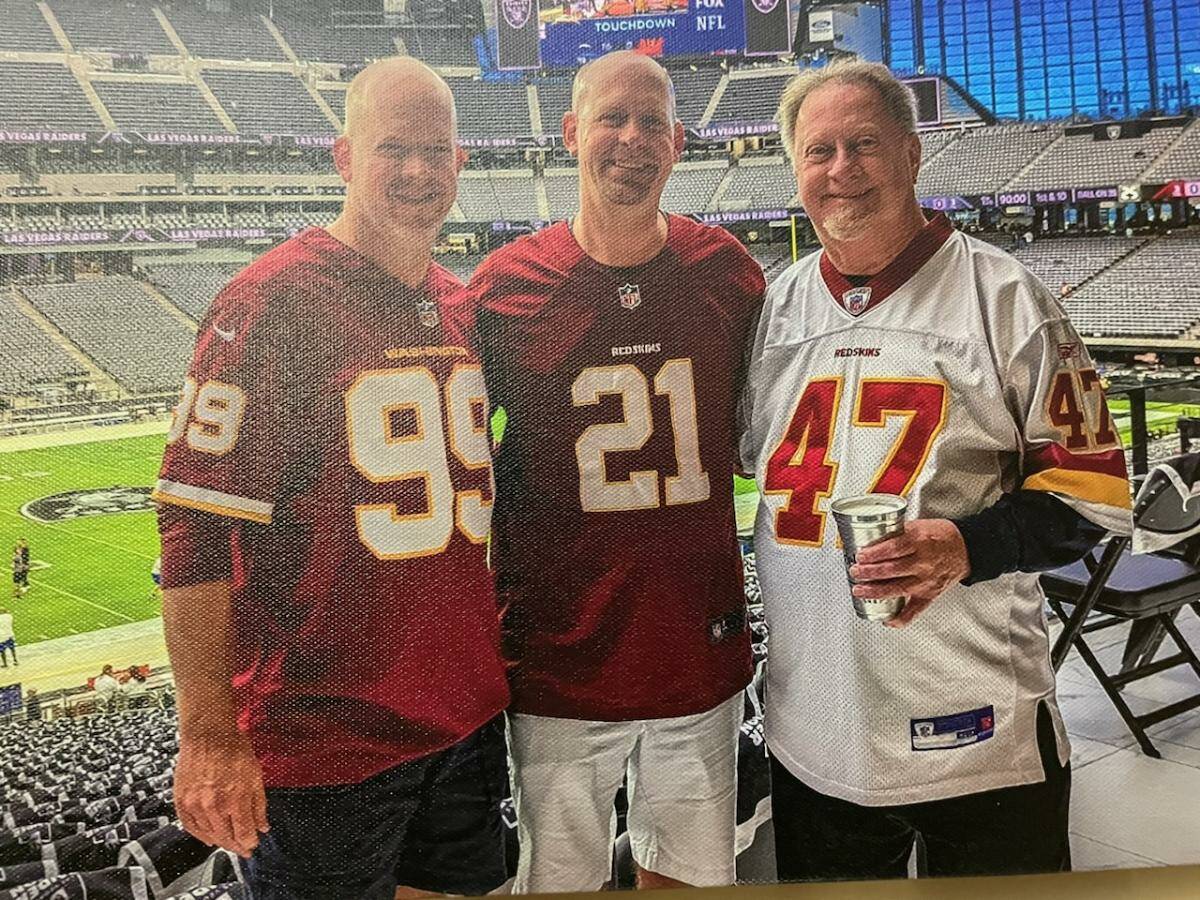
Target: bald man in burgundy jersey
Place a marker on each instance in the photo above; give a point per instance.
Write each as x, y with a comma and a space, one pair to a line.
326, 499
615, 345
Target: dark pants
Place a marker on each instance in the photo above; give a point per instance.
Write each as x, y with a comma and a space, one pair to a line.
432, 823
5, 648
1012, 830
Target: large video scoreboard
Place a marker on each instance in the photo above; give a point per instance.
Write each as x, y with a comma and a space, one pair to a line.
571, 32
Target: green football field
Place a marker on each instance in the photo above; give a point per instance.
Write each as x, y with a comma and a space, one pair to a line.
1159, 416
93, 571
89, 571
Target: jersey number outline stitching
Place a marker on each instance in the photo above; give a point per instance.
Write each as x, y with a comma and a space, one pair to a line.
800, 467
674, 380
1067, 409
217, 408
383, 457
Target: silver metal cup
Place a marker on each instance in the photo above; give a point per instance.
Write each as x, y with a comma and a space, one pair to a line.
864, 520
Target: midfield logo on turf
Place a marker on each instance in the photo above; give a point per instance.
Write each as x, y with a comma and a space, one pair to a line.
92, 502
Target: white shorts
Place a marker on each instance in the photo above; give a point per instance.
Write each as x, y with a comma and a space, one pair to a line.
682, 797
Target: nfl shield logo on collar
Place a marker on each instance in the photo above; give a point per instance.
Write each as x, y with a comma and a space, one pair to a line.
630, 294
427, 312
856, 300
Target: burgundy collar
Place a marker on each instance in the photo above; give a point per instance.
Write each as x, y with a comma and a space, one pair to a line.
857, 300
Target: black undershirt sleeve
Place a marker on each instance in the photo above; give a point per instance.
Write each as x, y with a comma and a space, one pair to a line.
1025, 531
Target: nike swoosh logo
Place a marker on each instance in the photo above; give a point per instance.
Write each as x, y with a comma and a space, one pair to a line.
225, 335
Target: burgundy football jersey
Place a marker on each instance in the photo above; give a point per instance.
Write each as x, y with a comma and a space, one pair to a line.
339, 418
615, 547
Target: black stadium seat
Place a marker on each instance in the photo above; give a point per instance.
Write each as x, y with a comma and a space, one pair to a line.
1148, 590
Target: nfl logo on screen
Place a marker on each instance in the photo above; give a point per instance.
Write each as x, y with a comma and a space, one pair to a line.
631, 295
856, 299
427, 312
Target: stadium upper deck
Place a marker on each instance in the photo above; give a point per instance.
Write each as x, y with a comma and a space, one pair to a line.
221, 136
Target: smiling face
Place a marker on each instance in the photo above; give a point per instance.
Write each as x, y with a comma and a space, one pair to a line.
399, 156
624, 133
855, 165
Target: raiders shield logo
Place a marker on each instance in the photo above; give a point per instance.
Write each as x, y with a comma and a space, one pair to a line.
1113, 132
630, 294
516, 12
856, 300
91, 502
427, 312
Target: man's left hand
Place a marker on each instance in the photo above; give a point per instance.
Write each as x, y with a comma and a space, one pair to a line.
919, 564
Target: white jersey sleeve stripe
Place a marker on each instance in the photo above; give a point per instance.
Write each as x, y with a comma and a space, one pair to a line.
212, 501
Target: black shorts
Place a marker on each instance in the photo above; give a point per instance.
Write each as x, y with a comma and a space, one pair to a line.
1013, 830
432, 823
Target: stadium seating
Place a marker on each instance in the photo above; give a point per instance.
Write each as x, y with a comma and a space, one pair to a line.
932, 142
1073, 260
267, 164
1146, 293
751, 99
114, 27
224, 36
440, 45
87, 799
149, 106
122, 328
25, 28
491, 109
49, 97
562, 192
28, 356
507, 194
760, 183
337, 102
192, 285
554, 99
337, 45
693, 90
983, 160
267, 102
1181, 161
774, 258
691, 186
515, 194
1077, 159
87, 813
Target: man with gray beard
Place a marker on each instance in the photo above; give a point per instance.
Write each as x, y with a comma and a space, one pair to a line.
924, 368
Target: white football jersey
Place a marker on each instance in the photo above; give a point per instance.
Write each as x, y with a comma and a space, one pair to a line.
951, 377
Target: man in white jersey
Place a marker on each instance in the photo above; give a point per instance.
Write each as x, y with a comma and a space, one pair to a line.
910, 359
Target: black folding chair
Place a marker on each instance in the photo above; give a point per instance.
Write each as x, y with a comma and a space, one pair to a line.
1146, 589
